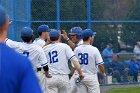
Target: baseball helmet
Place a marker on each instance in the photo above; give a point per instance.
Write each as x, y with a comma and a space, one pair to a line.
76, 31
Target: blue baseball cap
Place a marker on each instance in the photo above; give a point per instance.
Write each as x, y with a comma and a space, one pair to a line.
87, 33
75, 30
54, 33
3, 16
43, 28
26, 32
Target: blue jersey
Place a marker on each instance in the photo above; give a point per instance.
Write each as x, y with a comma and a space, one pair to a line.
16, 73
107, 52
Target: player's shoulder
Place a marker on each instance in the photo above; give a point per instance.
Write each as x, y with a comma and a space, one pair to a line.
37, 47
94, 48
64, 45
36, 39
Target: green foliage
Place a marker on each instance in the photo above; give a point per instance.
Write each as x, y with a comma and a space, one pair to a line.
43, 10
105, 35
131, 31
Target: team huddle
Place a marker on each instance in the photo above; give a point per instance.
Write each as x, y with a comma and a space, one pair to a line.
49, 57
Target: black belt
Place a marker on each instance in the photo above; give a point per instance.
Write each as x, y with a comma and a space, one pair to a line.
38, 69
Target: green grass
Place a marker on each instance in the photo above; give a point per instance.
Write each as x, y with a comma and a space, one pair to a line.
125, 90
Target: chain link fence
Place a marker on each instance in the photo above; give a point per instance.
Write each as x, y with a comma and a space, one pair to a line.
19, 12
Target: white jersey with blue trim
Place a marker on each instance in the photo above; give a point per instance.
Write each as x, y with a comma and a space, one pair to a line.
34, 52
79, 43
89, 58
13, 44
39, 42
58, 55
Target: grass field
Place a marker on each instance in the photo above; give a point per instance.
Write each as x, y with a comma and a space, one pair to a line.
125, 90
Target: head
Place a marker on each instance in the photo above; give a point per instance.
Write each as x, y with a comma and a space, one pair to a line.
4, 23
54, 35
27, 34
75, 34
115, 58
43, 31
138, 43
133, 58
109, 46
88, 36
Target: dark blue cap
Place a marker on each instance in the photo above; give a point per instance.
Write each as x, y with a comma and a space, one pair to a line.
26, 32
87, 33
75, 30
43, 28
54, 33
3, 16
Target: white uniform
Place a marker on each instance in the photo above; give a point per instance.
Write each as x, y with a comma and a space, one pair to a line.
58, 55
39, 42
36, 55
13, 44
79, 43
72, 80
89, 59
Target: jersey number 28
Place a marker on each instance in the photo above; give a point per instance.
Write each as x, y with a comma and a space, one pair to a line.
53, 57
83, 58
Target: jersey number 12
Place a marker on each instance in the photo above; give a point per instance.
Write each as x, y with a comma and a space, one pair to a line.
53, 57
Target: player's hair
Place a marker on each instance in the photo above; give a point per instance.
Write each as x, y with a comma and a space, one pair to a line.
39, 33
27, 39
86, 38
54, 38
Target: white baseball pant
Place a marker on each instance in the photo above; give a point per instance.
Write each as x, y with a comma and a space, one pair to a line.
58, 84
89, 84
73, 85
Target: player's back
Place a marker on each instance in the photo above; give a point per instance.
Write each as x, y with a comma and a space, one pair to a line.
58, 55
39, 42
89, 58
33, 52
16, 73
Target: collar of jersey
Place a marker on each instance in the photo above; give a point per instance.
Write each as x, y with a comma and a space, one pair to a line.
54, 42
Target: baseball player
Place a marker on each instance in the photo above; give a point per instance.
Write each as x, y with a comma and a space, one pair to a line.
16, 73
77, 40
43, 31
58, 54
75, 34
90, 59
34, 52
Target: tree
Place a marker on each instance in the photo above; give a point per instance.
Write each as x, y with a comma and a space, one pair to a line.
131, 31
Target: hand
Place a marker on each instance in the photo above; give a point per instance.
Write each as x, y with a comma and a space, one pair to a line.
81, 77
104, 75
64, 35
47, 74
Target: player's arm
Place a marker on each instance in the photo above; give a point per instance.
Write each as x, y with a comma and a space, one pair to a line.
70, 55
76, 64
72, 71
70, 43
101, 68
46, 70
44, 63
99, 62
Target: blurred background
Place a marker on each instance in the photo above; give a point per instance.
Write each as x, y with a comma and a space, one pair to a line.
117, 23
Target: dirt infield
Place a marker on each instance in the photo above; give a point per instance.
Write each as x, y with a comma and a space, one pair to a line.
105, 88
